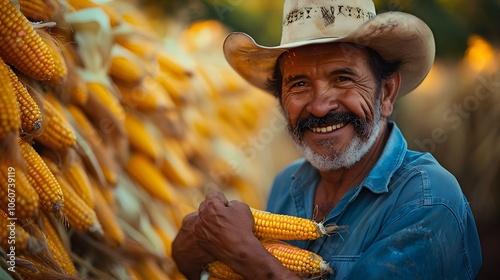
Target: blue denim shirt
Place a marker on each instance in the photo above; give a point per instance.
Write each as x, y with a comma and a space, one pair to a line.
408, 219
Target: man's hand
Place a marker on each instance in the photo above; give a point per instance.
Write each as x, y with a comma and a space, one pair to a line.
186, 252
224, 228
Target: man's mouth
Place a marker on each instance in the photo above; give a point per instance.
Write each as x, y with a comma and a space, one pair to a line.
326, 129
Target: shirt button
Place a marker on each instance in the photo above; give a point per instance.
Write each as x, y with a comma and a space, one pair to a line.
334, 271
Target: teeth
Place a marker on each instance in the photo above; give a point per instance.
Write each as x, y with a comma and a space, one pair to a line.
327, 128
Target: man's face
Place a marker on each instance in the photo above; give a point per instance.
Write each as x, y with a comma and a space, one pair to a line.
330, 98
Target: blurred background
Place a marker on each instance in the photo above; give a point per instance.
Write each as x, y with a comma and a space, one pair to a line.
454, 114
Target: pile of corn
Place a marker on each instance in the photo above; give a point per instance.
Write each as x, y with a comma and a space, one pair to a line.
110, 133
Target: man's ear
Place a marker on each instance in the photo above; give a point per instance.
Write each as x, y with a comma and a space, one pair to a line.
390, 90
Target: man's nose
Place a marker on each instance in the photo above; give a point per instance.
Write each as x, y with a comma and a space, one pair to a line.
323, 100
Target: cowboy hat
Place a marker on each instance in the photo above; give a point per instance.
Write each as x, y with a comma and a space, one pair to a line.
396, 36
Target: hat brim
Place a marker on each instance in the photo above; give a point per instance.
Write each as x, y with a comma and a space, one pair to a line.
396, 36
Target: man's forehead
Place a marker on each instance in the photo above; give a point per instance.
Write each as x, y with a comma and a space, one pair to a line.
337, 49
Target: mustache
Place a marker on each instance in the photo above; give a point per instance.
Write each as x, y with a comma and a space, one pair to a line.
361, 127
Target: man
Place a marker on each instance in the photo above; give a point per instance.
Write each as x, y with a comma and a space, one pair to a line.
337, 74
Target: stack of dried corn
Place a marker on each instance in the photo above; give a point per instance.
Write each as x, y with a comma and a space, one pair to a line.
109, 135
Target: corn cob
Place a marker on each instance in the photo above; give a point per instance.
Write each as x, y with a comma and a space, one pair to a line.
132, 272
57, 131
13, 234
114, 17
40, 177
149, 269
106, 163
26, 198
21, 46
122, 69
143, 171
75, 174
284, 227
140, 137
301, 262
31, 115
39, 10
9, 116
54, 46
113, 233
222, 271
57, 247
107, 98
147, 96
176, 167
75, 211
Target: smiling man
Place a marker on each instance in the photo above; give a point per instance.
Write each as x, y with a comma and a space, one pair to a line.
337, 73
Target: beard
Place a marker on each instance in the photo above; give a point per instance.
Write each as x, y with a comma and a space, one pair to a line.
365, 135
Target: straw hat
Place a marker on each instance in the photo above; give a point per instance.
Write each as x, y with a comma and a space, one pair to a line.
396, 36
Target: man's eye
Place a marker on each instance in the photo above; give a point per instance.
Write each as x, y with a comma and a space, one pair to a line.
299, 84
344, 79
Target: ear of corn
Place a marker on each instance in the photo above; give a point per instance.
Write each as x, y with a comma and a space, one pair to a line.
75, 211
113, 233
301, 262
107, 99
106, 164
25, 198
39, 10
21, 46
54, 47
31, 115
40, 177
75, 174
141, 137
147, 96
222, 271
57, 131
122, 69
284, 227
143, 171
57, 247
9, 110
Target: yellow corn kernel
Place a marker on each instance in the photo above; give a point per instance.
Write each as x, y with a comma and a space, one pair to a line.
222, 271
57, 131
300, 261
141, 137
31, 115
284, 227
9, 110
113, 233
146, 174
39, 10
21, 46
13, 233
17, 193
57, 247
40, 177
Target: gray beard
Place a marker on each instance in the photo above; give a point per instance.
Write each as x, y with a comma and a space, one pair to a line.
354, 152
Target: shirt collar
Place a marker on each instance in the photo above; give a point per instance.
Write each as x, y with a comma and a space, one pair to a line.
378, 179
